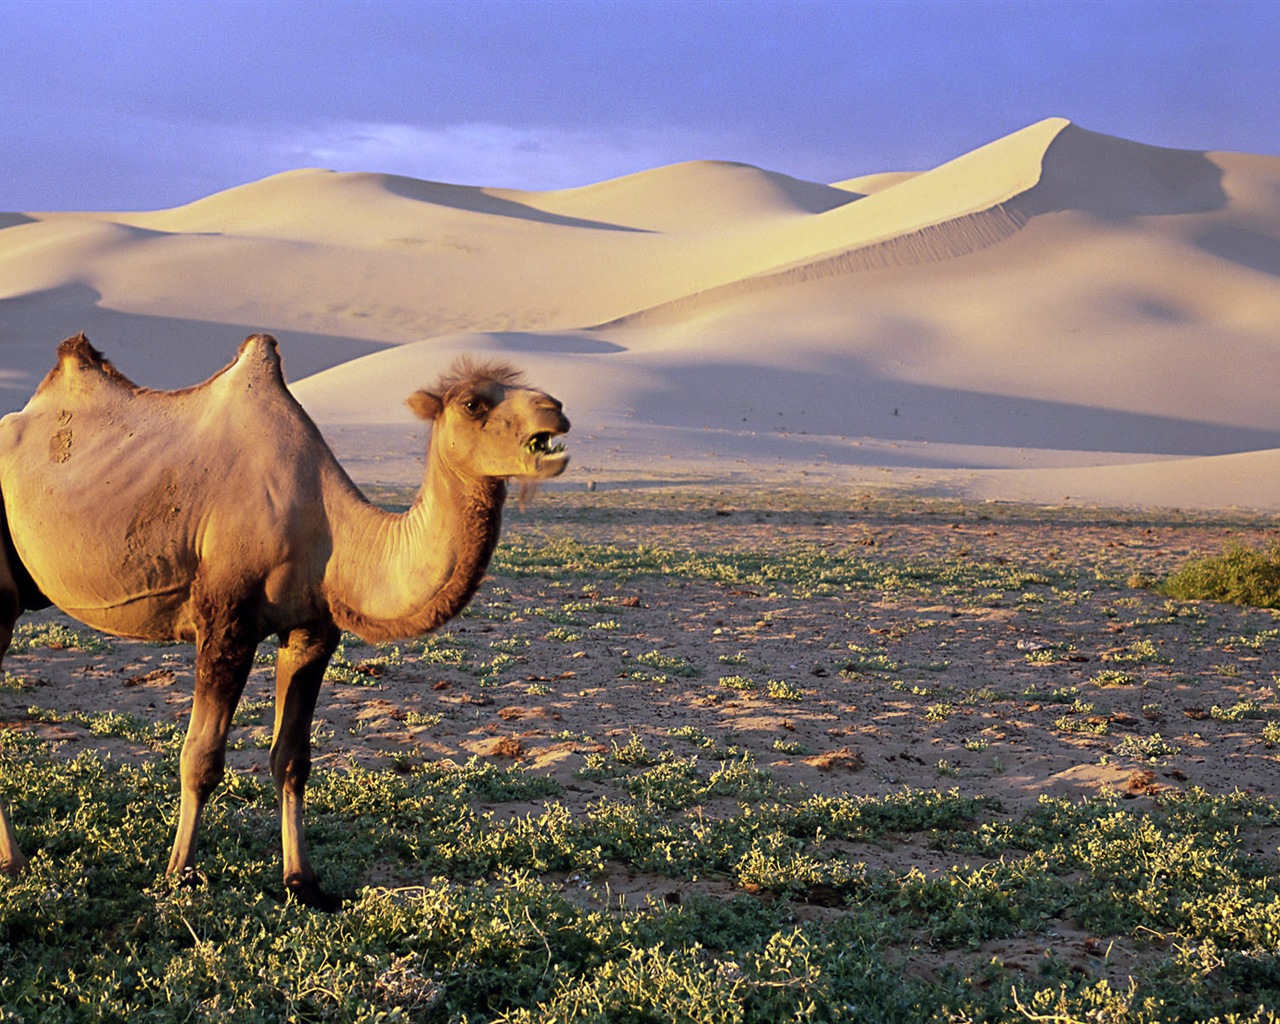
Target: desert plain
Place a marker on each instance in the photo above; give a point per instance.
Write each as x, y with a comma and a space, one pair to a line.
873, 482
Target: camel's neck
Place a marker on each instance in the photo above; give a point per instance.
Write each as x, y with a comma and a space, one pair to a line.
394, 576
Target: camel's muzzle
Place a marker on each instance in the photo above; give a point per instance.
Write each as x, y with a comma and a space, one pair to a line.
549, 455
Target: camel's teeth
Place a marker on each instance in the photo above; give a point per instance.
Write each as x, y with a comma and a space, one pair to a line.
540, 444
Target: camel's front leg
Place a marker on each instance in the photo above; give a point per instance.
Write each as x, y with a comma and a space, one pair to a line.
11, 858
224, 656
300, 664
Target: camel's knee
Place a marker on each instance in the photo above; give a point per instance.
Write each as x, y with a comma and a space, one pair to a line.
202, 770
290, 769
202, 782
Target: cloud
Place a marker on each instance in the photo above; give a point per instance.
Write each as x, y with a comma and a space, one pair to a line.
485, 154
187, 160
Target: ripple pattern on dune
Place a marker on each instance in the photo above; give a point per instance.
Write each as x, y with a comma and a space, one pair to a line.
933, 243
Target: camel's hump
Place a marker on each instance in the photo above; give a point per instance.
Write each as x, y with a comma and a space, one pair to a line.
80, 365
77, 355
77, 347
262, 346
257, 359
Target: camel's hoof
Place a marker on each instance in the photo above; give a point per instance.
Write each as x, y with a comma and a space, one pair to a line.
14, 866
307, 891
187, 878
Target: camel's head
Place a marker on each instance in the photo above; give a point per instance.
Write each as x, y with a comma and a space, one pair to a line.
486, 422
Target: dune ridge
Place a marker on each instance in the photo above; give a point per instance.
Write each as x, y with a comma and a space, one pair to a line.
1078, 170
934, 243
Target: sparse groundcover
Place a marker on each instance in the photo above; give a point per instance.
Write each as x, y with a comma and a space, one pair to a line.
795, 763
58, 636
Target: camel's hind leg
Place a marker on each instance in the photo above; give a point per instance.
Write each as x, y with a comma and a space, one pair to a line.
12, 859
300, 666
224, 656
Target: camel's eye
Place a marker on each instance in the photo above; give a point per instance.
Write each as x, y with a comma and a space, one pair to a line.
475, 405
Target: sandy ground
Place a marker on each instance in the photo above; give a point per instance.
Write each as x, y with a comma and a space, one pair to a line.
1046, 689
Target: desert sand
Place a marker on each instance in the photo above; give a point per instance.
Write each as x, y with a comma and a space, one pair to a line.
1059, 316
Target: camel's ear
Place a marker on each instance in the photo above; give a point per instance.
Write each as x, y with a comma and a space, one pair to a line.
424, 404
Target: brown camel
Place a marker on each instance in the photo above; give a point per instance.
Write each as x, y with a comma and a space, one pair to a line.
218, 515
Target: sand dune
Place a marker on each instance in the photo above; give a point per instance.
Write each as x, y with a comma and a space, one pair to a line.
1057, 311
698, 196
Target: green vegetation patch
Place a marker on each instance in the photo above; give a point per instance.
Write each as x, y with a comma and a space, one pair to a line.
501, 907
812, 569
55, 636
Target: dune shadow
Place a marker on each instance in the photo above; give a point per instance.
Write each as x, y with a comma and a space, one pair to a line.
153, 351
811, 197
12, 220
542, 342
474, 200
1248, 248
1115, 178
847, 401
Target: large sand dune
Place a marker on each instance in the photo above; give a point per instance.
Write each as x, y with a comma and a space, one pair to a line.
1056, 314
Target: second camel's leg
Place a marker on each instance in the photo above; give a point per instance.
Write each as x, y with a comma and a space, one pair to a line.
300, 664
224, 656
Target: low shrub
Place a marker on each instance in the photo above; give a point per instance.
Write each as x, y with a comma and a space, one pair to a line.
1240, 575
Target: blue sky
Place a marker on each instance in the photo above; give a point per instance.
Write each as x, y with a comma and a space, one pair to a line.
129, 105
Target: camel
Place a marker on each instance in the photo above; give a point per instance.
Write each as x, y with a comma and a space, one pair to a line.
217, 515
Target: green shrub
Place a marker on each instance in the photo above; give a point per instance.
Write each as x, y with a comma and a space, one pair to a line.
1240, 575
